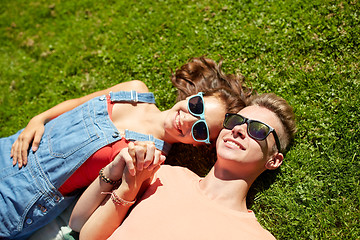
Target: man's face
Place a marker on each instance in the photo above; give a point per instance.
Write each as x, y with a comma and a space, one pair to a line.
237, 146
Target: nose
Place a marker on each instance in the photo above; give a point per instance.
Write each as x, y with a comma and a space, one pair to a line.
189, 119
239, 131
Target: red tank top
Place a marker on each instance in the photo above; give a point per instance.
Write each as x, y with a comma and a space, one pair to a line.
89, 170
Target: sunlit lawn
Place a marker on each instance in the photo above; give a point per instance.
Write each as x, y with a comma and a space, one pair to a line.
304, 51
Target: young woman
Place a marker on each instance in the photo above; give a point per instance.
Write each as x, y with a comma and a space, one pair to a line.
178, 204
74, 140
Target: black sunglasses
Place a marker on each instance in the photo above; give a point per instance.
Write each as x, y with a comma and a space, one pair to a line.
200, 129
256, 129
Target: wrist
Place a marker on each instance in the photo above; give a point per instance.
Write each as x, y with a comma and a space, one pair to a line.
118, 200
126, 192
106, 177
41, 118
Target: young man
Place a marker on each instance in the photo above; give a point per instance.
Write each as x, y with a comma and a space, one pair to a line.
178, 204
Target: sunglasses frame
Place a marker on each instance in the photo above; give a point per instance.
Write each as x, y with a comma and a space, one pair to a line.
248, 122
201, 116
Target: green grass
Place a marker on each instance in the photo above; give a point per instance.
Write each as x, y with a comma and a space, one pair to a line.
305, 51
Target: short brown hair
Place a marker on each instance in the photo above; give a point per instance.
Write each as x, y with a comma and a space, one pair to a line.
283, 110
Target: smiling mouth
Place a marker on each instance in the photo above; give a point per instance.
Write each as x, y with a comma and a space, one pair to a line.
177, 123
235, 144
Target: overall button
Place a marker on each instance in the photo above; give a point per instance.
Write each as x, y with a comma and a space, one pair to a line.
57, 198
29, 221
115, 135
42, 208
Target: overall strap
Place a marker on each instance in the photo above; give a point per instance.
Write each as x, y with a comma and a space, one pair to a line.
159, 144
132, 96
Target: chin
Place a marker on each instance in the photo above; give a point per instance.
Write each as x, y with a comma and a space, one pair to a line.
227, 156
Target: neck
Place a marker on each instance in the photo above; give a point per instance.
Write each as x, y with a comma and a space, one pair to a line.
164, 135
228, 192
156, 120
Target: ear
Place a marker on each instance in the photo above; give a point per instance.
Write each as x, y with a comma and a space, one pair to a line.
275, 161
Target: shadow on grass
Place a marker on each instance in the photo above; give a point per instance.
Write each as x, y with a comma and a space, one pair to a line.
198, 159
261, 184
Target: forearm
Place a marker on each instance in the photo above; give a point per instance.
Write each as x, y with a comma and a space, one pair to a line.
57, 110
104, 221
92, 198
73, 103
97, 217
89, 201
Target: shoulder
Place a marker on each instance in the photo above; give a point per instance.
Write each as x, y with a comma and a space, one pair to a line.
255, 229
136, 85
139, 86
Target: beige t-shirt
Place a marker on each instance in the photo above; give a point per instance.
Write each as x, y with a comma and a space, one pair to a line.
173, 207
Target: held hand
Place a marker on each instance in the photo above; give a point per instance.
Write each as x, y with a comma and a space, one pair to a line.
144, 155
115, 169
137, 183
32, 133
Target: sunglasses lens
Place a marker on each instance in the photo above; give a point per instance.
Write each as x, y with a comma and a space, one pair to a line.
232, 120
258, 130
200, 131
196, 105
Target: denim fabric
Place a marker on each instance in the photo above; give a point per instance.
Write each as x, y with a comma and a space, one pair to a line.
29, 198
132, 96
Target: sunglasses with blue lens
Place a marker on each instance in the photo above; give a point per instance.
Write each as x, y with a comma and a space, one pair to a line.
200, 129
255, 129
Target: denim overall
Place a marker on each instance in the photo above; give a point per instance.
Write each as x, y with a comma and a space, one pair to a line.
29, 197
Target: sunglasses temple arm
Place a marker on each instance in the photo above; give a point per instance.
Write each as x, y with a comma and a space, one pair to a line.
277, 141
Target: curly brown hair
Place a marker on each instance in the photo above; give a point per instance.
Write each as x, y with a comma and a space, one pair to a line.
205, 75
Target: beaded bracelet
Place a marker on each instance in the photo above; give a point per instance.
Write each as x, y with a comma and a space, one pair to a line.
107, 180
118, 200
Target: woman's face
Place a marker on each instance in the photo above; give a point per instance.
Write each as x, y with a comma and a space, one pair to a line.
179, 120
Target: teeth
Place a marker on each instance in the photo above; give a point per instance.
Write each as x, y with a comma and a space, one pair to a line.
177, 122
232, 143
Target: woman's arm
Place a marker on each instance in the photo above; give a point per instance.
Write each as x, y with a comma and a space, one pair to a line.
90, 200
104, 221
35, 129
93, 207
